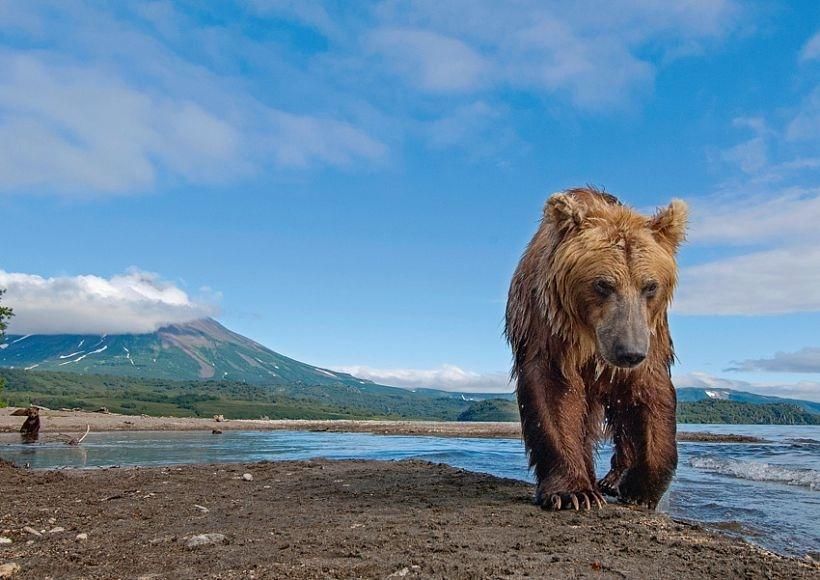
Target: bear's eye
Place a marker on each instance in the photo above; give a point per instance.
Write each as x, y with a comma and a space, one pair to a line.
604, 288
650, 289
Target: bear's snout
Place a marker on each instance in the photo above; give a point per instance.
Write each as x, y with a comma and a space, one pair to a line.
623, 334
627, 357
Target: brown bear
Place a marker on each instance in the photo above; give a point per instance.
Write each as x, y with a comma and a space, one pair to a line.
587, 324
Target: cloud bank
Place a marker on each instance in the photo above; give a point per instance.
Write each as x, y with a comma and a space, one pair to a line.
762, 226
453, 378
446, 377
135, 302
103, 101
779, 281
805, 360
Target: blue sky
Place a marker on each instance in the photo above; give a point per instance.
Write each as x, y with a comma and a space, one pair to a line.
351, 184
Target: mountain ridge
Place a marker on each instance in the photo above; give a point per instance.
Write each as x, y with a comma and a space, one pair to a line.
201, 349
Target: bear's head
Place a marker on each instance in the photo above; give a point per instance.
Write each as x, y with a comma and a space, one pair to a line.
613, 272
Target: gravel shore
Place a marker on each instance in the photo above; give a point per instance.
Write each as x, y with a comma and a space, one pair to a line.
321, 519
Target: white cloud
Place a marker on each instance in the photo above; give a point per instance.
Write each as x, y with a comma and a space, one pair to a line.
811, 50
805, 360
789, 215
777, 281
479, 125
768, 245
77, 127
751, 156
83, 131
114, 107
550, 55
596, 53
805, 126
233, 104
429, 60
134, 302
806, 390
446, 377
311, 14
301, 141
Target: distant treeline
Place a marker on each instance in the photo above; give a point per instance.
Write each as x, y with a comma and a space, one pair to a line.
708, 411
134, 396
733, 412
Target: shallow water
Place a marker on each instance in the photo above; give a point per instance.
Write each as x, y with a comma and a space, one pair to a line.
768, 493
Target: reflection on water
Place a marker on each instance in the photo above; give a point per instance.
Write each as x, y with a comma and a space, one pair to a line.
767, 492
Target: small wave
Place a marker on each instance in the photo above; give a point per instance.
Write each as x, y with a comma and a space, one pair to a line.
804, 441
758, 471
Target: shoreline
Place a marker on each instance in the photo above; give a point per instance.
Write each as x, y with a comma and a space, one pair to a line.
320, 518
74, 422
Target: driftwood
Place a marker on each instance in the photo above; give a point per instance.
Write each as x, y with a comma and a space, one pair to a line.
73, 441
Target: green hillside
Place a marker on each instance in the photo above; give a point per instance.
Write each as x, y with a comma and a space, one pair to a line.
695, 394
732, 412
490, 410
234, 400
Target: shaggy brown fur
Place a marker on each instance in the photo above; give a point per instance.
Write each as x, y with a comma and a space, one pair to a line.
30, 430
594, 272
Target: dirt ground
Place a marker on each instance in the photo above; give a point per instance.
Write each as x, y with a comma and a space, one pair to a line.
74, 423
323, 519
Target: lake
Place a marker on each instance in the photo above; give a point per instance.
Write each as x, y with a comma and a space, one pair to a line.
767, 493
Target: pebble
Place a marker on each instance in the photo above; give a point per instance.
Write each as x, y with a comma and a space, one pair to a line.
32, 531
56, 530
205, 539
9, 570
247, 477
4, 540
202, 508
81, 537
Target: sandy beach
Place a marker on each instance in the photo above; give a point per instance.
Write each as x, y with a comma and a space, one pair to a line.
75, 423
319, 519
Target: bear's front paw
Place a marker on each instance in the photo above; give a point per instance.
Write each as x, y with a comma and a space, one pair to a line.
608, 484
643, 488
583, 499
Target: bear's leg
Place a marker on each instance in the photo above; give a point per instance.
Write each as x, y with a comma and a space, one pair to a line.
553, 422
593, 435
646, 453
623, 455
608, 484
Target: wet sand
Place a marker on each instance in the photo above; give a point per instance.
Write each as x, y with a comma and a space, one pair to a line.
74, 423
320, 519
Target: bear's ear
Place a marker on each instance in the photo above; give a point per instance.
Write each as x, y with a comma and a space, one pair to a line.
564, 211
669, 224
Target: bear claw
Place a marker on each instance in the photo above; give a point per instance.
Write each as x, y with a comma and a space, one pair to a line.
574, 500
608, 484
